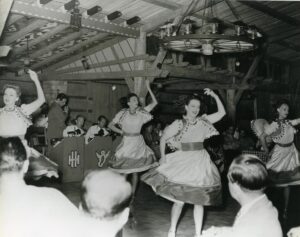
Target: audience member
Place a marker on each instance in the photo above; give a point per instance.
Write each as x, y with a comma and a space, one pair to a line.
75, 130
106, 196
247, 178
26, 210
57, 116
99, 129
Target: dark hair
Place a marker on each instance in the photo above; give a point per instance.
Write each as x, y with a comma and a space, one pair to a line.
102, 117
277, 105
14, 87
79, 116
131, 95
62, 96
12, 154
196, 97
249, 172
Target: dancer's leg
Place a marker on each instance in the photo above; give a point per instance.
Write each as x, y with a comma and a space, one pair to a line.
198, 218
286, 195
134, 182
175, 214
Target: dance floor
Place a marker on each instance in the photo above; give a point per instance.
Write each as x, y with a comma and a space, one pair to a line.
153, 212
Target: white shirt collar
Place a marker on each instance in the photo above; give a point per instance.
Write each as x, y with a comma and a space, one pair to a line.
244, 209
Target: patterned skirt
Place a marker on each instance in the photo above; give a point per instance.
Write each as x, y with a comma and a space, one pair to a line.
284, 166
188, 177
132, 156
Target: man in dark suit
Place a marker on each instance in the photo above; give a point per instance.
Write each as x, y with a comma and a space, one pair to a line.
57, 116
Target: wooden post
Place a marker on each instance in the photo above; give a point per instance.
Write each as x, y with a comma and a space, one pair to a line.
231, 105
139, 82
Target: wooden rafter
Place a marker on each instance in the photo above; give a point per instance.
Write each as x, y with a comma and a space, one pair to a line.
40, 39
109, 63
70, 50
98, 76
34, 10
157, 21
84, 52
271, 12
289, 45
21, 33
200, 75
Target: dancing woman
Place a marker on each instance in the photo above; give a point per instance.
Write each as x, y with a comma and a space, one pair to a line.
188, 175
133, 155
14, 121
284, 162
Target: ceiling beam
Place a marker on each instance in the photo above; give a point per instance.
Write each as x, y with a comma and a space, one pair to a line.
98, 76
73, 49
12, 18
36, 24
4, 12
271, 12
102, 75
155, 21
82, 52
34, 10
40, 39
289, 45
200, 75
108, 63
196, 86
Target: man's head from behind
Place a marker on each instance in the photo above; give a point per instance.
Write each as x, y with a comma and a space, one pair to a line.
106, 195
247, 174
12, 156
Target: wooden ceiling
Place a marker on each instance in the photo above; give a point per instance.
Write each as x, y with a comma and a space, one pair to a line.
51, 40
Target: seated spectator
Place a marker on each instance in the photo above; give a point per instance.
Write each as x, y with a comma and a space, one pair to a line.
99, 129
36, 211
75, 130
245, 141
247, 178
30, 211
106, 196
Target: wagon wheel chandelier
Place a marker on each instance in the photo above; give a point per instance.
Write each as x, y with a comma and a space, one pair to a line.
212, 36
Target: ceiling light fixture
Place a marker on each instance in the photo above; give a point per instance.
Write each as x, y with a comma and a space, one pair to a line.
207, 38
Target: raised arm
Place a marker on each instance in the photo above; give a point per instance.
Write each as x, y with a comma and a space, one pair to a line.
33, 106
154, 101
215, 117
162, 147
295, 122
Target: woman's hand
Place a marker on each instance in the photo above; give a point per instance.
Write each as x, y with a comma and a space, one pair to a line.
33, 75
208, 91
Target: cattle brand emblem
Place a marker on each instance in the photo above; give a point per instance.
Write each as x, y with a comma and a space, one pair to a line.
74, 159
102, 157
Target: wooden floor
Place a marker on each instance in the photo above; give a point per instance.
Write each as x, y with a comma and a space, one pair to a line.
153, 212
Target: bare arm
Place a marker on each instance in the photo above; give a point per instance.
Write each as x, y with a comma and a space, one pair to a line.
162, 147
153, 98
263, 142
295, 122
33, 106
113, 127
215, 117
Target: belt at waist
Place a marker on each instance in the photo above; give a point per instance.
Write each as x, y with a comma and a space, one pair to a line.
285, 145
192, 146
131, 134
